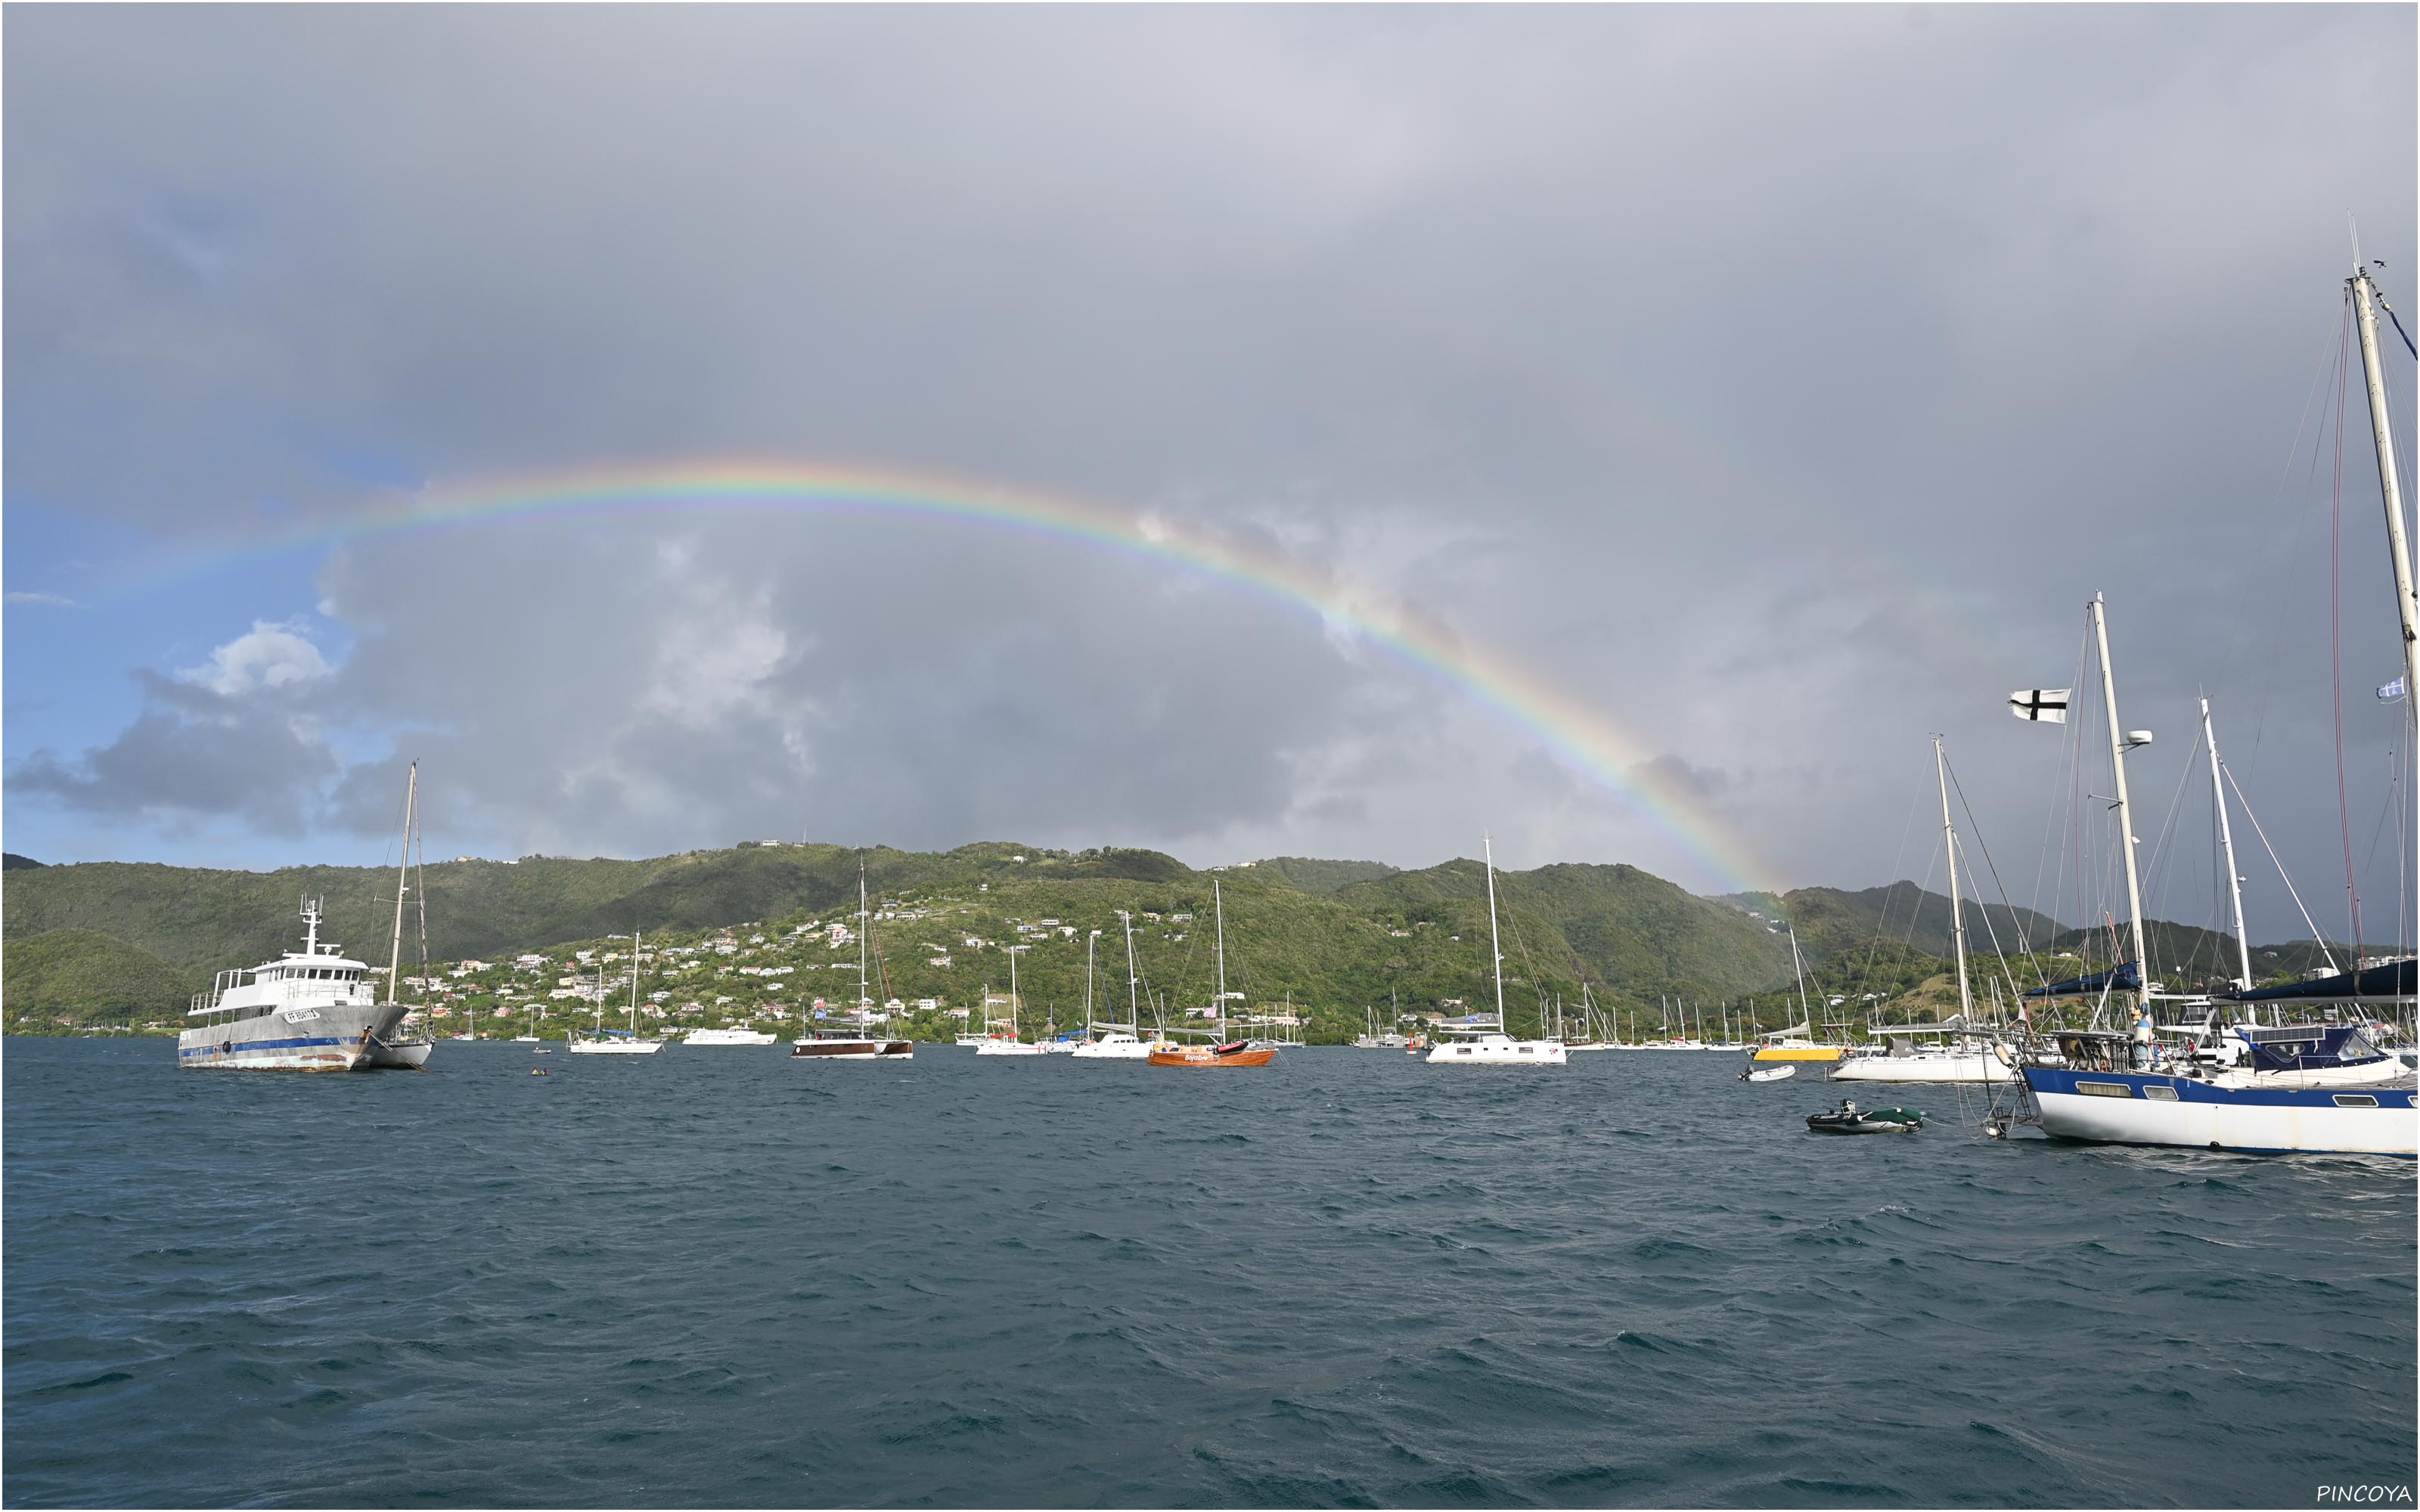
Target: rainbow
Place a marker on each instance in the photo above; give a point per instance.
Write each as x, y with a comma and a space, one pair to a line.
1581, 737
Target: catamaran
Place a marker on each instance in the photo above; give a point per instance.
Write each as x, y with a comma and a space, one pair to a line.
1480, 1040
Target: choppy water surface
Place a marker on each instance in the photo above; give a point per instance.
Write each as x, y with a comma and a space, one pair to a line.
718, 1277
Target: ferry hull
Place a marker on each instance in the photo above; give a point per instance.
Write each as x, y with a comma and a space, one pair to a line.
2136, 1108
332, 1037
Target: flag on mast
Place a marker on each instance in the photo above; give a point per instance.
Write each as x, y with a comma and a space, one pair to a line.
2388, 692
2047, 704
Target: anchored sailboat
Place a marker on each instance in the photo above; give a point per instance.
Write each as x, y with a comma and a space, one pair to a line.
1480, 1040
617, 1041
852, 1039
1958, 1051
1222, 1051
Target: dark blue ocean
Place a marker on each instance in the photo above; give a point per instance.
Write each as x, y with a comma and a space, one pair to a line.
715, 1277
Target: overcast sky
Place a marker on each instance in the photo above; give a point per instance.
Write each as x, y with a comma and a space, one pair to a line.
1778, 384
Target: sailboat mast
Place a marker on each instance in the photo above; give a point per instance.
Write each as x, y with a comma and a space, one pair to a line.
1957, 915
1495, 945
1134, 1003
1219, 910
2125, 811
1798, 968
864, 998
2406, 603
1014, 1030
2226, 847
402, 874
634, 981
1090, 941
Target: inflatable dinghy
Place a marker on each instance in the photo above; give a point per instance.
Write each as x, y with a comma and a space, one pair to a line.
1849, 1118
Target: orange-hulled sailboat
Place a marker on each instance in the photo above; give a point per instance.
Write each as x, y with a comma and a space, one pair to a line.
1223, 1053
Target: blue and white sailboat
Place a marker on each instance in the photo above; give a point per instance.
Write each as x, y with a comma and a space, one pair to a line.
2308, 1088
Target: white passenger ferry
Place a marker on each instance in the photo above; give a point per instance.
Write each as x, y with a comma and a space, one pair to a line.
310, 1009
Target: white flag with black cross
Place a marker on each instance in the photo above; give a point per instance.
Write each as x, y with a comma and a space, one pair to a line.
2047, 704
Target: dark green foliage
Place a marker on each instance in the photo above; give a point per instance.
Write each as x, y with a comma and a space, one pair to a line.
1313, 875
11, 861
1337, 939
87, 977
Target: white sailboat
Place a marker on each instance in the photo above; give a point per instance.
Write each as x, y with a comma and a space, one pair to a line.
1001, 1040
853, 1038
399, 1050
617, 1041
1482, 1041
1956, 1053
1115, 1041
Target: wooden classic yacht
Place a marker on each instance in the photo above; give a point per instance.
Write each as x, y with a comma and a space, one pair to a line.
1221, 1051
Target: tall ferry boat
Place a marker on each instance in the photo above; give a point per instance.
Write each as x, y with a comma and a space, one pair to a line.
310, 1009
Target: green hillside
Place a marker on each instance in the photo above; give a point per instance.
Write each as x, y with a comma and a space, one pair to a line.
752, 931
1313, 875
73, 977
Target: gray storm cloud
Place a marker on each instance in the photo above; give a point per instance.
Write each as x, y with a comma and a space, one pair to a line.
1776, 382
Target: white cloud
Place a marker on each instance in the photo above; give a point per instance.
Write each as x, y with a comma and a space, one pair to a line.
268, 655
55, 600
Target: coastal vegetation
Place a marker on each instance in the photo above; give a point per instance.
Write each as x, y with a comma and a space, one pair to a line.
764, 933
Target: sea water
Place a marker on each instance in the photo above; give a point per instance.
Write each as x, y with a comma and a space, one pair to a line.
720, 1278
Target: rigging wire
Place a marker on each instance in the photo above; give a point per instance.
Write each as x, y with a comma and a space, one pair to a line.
2292, 892
2025, 941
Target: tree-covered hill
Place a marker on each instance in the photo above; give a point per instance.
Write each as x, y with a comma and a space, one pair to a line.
1336, 940
70, 977
1312, 876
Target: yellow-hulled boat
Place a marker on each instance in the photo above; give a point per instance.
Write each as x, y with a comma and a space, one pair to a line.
1799, 1050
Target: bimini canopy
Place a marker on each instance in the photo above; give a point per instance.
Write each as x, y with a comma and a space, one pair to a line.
2125, 977
2389, 984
